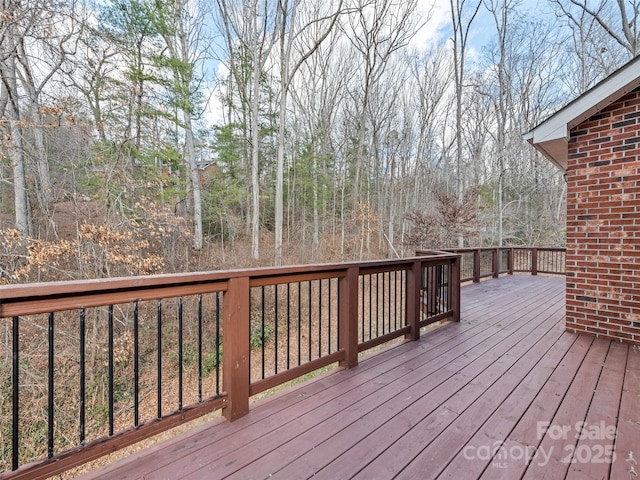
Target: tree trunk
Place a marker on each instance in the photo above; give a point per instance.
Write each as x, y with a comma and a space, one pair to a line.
21, 202
255, 157
194, 177
314, 186
279, 200
15, 144
45, 193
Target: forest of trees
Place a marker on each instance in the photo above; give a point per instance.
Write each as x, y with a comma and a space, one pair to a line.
146, 136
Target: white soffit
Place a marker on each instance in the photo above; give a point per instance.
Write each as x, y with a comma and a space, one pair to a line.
551, 137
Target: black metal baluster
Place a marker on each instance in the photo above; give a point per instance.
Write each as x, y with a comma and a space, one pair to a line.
180, 309
200, 348
430, 274
16, 395
275, 319
382, 301
378, 302
437, 307
288, 326
393, 305
430, 281
446, 275
329, 318
136, 366
299, 321
443, 303
320, 319
50, 392
110, 354
81, 419
363, 302
338, 319
262, 323
401, 312
449, 286
385, 300
370, 306
403, 285
309, 309
217, 343
395, 300
159, 372
446, 272
250, 332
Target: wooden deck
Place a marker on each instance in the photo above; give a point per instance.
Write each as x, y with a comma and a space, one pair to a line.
502, 394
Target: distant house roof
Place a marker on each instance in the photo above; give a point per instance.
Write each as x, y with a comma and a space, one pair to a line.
551, 137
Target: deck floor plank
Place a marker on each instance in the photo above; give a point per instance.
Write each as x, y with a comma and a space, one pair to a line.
410, 411
320, 408
493, 434
627, 442
412, 402
224, 441
593, 454
357, 405
478, 399
559, 439
473, 433
482, 371
524, 436
442, 342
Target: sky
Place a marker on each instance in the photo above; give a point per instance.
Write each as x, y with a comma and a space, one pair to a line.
435, 32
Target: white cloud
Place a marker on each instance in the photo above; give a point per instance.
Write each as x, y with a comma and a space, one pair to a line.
436, 28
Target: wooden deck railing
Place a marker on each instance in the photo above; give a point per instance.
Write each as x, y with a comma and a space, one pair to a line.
478, 263
89, 367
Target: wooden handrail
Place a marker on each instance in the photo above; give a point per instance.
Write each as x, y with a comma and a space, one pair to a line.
536, 261
406, 276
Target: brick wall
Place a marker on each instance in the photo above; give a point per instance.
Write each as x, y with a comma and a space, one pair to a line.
603, 223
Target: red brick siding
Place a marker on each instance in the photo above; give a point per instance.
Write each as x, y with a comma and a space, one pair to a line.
603, 223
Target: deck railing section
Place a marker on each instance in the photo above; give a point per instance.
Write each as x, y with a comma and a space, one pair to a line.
107, 363
491, 262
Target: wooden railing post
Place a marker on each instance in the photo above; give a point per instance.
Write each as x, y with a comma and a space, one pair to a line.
534, 261
510, 261
235, 355
414, 305
348, 311
455, 289
476, 265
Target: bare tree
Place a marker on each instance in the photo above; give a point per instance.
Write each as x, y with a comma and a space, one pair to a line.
181, 25
432, 74
592, 52
41, 33
378, 30
618, 19
251, 30
306, 34
317, 96
517, 83
462, 17
16, 22
13, 137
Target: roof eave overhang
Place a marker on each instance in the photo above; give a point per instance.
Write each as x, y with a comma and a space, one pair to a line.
554, 149
551, 137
